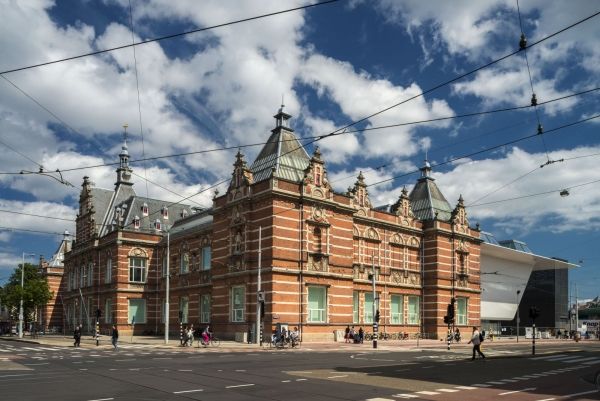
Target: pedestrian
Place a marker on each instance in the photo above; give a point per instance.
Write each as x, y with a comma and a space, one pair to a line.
476, 339
347, 334
115, 337
361, 334
77, 336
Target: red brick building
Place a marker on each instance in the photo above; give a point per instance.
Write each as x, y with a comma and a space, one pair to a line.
318, 248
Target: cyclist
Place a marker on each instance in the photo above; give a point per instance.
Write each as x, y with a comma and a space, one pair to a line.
294, 336
206, 335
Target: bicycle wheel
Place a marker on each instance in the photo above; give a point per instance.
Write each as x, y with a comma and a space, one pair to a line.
296, 344
215, 342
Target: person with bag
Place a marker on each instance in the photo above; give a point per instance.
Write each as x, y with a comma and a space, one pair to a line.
476, 339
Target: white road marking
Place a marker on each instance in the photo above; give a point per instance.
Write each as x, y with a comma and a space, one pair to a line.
23, 374
379, 399
240, 385
335, 377
466, 388
581, 359
517, 391
407, 395
509, 380
426, 392
301, 380
124, 360
481, 385
163, 358
286, 381
547, 399
184, 370
497, 383
592, 362
187, 391
102, 399
36, 364
447, 390
240, 370
577, 394
548, 357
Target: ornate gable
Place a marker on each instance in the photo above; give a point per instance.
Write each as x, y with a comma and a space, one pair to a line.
460, 223
315, 177
403, 209
241, 179
86, 218
360, 195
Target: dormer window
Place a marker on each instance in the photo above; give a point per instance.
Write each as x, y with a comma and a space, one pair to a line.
136, 222
157, 225
164, 212
184, 213
145, 209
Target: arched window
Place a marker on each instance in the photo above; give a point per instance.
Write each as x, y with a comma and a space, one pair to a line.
185, 262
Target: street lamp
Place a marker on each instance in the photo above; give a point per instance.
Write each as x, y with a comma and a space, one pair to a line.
518, 292
22, 285
167, 289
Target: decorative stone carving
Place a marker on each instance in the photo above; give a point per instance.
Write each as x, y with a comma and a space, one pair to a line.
318, 262
459, 217
138, 252
359, 193
403, 276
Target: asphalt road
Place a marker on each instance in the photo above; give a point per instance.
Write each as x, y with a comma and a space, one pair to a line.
39, 372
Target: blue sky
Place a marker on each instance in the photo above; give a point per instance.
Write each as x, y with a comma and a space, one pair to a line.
333, 64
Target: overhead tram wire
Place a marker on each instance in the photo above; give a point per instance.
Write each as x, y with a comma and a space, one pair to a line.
35, 215
30, 231
523, 46
137, 85
452, 160
335, 133
175, 35
535, 194
165, 188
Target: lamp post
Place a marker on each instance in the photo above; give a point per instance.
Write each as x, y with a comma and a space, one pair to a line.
167, 286
518, 292
22, 286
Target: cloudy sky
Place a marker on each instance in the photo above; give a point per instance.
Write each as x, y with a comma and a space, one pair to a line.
332, 64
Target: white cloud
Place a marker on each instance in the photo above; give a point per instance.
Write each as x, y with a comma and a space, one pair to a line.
359, 94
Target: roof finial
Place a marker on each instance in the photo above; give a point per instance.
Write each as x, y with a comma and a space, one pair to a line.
282, 102
125, 126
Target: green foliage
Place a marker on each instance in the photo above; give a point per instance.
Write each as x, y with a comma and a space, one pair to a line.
35, 290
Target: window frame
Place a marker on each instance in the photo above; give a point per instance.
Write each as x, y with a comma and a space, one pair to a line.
234, 318
184, 262
397, 317
129, 316
356, 307
108, 269
108, 310
205, 314
142, 269
418, 310
321, 312
206, 250
184, 308
462, 318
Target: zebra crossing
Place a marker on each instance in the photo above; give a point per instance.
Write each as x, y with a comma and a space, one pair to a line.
586, 360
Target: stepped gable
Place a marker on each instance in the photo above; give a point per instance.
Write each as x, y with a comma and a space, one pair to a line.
282, 155
426, 199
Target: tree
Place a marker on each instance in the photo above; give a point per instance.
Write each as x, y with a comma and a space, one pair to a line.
35, 291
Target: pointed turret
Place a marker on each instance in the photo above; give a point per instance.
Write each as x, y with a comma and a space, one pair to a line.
282, 156
124, 171
426, 199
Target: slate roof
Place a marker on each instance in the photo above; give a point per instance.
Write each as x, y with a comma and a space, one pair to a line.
283, 152
426, 199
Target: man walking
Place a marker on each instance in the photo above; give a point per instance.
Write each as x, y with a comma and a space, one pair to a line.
115, 337
476, 340
77, 336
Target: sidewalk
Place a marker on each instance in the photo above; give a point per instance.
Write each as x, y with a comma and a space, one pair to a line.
383, 345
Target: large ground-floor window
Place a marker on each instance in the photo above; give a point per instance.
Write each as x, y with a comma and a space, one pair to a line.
397, 309
461, 311
205, 308
317, 304
136, 311
238, 303
414, 309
